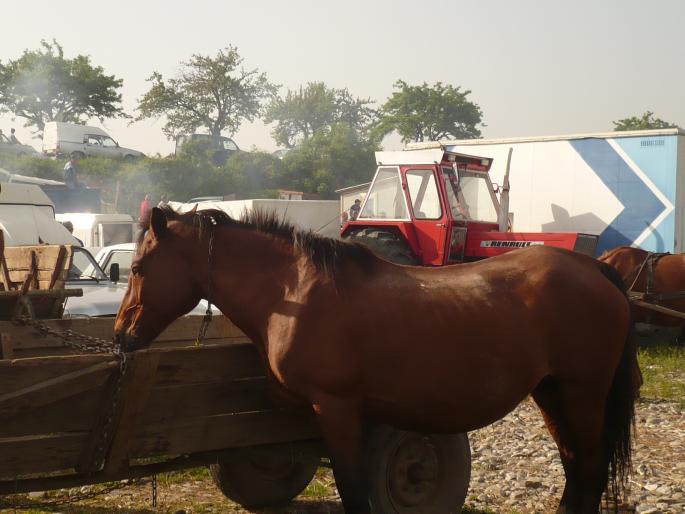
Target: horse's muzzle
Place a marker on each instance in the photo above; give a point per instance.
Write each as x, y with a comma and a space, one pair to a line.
130, 342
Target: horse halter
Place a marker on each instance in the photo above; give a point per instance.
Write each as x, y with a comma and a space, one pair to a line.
207, 319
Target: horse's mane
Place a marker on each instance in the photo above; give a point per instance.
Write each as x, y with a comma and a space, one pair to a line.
325, 253
610, 253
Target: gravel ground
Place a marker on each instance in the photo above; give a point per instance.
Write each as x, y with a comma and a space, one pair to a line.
516, 465
516, 469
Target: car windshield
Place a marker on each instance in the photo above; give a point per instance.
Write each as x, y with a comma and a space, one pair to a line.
84, 267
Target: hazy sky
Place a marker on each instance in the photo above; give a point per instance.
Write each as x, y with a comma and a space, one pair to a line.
535, 67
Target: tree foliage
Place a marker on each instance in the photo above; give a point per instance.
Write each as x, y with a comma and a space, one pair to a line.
301, 114
43, 85
215, 93
420, 113
329, 160
646, 121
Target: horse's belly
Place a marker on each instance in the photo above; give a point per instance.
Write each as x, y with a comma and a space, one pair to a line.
454, 406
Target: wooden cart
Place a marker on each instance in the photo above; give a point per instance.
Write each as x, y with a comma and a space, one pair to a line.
179, 404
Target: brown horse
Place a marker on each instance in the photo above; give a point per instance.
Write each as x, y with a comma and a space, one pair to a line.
666, 274
447, 349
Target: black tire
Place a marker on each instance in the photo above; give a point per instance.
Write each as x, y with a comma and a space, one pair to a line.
412, 473
387, 244
264, 476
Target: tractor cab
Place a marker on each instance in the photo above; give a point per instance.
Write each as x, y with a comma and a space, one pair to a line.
432, 207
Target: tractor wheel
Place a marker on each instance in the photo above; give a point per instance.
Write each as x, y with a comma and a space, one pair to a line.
387, 244
412, 473
264, 476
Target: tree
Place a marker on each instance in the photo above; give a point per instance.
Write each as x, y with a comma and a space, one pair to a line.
329, 160
215, 93
430, 113
42, 85
301, 114
645, 122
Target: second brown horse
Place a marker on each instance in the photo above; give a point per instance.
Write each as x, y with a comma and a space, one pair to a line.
438, 350
665, 274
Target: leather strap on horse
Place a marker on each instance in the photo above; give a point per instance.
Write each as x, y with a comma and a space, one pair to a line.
207, 319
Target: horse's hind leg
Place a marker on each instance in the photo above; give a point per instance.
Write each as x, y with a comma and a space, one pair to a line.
575, 418
341, 426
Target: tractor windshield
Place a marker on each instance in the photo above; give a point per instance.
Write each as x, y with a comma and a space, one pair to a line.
470, 196
385, 199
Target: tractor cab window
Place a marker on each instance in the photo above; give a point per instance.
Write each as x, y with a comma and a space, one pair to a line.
470, 195
423, 191
385, 199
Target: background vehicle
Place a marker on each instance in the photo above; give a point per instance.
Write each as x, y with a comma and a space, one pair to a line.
27, 217
223, 146
98, 230
320, 216
626, 187
62, 139
20, 150
434, 207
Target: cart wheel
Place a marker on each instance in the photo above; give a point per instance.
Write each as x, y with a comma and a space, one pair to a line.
412, 473
264, 476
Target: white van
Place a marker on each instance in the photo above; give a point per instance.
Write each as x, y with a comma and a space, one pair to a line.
98, 230
61, 139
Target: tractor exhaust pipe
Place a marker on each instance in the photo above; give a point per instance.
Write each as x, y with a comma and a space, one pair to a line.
503, 217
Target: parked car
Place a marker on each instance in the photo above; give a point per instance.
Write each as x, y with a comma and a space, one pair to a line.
17, 149
223, 146
121, 254
101, 296
62, 139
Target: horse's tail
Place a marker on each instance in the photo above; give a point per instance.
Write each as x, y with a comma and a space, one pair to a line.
619, 420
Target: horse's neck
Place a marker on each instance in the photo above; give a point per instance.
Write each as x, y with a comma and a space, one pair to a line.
251, 278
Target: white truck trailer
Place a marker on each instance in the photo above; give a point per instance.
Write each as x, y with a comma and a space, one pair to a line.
321, 216
626, 187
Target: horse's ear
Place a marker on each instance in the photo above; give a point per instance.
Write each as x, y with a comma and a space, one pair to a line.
158, 223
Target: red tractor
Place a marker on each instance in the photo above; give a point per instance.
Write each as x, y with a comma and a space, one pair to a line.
433, 207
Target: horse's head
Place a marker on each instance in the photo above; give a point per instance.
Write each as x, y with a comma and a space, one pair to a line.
162, 285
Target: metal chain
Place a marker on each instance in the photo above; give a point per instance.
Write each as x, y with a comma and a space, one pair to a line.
94, 493
88, 344
154, 491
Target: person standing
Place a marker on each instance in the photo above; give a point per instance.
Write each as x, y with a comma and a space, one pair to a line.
70, 173
13, 138
163, 201
355, 208
145, 209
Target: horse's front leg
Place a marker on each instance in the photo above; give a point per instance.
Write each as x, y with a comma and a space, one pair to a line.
341, 426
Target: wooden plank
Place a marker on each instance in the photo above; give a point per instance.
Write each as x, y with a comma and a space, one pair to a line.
5, 346
19, 373
168, 403
135, 392
188, 326
225, 431
76, 413
54, 389
208, 364
40, 453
